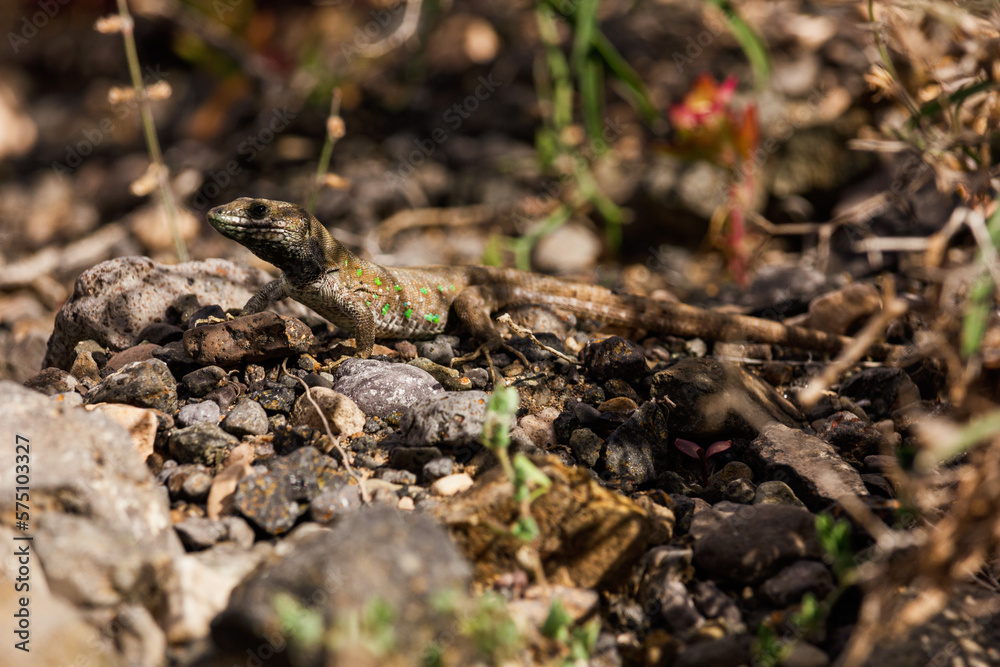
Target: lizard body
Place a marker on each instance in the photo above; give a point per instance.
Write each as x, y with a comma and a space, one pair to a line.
375, 301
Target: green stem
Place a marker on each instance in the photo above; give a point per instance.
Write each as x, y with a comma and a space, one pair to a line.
149, 131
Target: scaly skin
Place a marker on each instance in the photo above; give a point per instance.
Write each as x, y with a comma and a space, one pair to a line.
375, 301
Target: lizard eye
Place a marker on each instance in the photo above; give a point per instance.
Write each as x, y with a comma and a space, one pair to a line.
257, 211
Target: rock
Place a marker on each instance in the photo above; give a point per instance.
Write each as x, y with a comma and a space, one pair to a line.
638, 449
142, 424
95, 474
880, 391
775, 493
52, 381
725, 652
333, 504
197, 413
539, 428
116, 300
274, 397
449, 378
662, 592
809, 466
199, 533
586, 446
845, 310
414, 458
203, 584
58, 632
804, 654
203, 443
714, 604
437, 468
373, 559
853, 437
614, 357
440, 350
449, 420
248, 339
747, 543
342, 414
160, 333
452, 484
276, 499
246, 418
202, 381
715, 400
619, 388
589, 536
139, 352
144, 384
619, 404
381, 388
789, 585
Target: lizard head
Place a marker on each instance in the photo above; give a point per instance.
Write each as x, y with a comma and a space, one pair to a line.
278, 232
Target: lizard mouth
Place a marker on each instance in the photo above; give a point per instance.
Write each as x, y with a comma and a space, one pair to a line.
241, 222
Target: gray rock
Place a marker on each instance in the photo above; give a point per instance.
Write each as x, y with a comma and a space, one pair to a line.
803, 654
724, 652
197, 413
203, 380
639, 448
438, 350
789, 585
202, 443
85, 463
276, 499
334, 504
716, 400
100, 526
747, 543
140, 352
114, 301
586, 446
715, 604
662, 591
810, 466
614, 357
449, 420
342, 414
248, 339
52, 381
246, 418
144, 384
775, 493
376, 556
880, 391
437, 468
199, 533
381, 388
854, 438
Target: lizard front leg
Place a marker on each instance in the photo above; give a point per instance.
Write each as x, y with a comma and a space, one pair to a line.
474, 306
265, 296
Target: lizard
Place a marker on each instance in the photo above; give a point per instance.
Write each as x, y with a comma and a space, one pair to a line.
375, 301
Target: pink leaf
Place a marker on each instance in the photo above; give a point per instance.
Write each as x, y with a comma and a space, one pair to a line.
688, 447
717, 447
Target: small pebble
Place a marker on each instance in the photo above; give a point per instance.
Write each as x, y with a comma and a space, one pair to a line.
452, 484
196, 413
